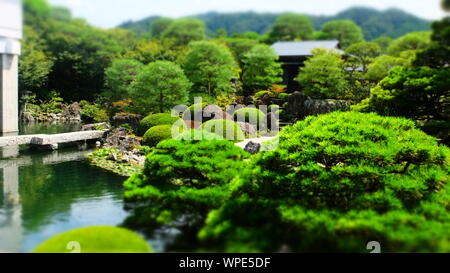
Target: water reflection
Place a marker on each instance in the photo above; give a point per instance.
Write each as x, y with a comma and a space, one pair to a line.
43, 194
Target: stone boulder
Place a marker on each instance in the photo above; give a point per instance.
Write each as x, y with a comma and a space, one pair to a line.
247, 128
93, 126
127, 118
318, 107
252, 148
71, 112
115, 137
295, 104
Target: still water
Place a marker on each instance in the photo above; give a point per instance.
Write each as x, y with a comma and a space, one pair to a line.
46, 193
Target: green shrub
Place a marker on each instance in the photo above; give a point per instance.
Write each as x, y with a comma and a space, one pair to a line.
335, 183
251, 115
184, 177
93, 112
156, 120
283, 96
225, 128
198, 135
100, 239
157, 134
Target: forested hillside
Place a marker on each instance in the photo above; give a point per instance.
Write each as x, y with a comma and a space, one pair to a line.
392, 22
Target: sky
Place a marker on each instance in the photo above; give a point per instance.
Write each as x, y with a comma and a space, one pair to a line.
110, 13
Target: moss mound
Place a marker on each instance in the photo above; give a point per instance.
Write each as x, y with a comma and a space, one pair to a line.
99, 239
156, 120
157, 134
227, 129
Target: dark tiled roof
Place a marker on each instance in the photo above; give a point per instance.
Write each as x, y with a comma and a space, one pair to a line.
302, 48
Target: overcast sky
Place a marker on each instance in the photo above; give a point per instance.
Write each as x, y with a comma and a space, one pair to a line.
109, 13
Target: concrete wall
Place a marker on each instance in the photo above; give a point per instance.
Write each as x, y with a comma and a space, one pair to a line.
10, 35
9, 97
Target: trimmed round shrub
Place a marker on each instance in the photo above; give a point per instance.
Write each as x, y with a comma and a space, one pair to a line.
156, 120
97, 239
157, 134
198, 135
253, 116
337, 182
227, 129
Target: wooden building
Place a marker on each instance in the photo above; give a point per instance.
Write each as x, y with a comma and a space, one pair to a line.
294, 54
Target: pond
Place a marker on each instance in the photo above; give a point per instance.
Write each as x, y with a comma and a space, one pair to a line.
46, 193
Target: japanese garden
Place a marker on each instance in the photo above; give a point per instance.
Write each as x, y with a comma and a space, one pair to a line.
233, 132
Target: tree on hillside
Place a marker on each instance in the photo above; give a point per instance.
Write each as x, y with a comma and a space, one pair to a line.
239, 47
346, 31
159, 26
384, 42
185, 31
438, 54
82, 53
210, 67
261, 68
410, 42
159, 87
119, 77
446, 5
323, 75
363, 53
290, 27
380, 67
35, 64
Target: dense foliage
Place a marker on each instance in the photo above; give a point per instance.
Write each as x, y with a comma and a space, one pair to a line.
336, 182
210, 67
345, 31
261, 68
182, 178
160, 86
323, 75
420, 93
290, 27
119, 77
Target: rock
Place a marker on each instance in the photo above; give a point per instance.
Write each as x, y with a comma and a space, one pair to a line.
247, 128
115, 136
125, 159
129, 143
27, 117
112, 157
93, 126
192, 124
252, 148
318, 107
248, 100
295, 104
72, 112
122, 118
